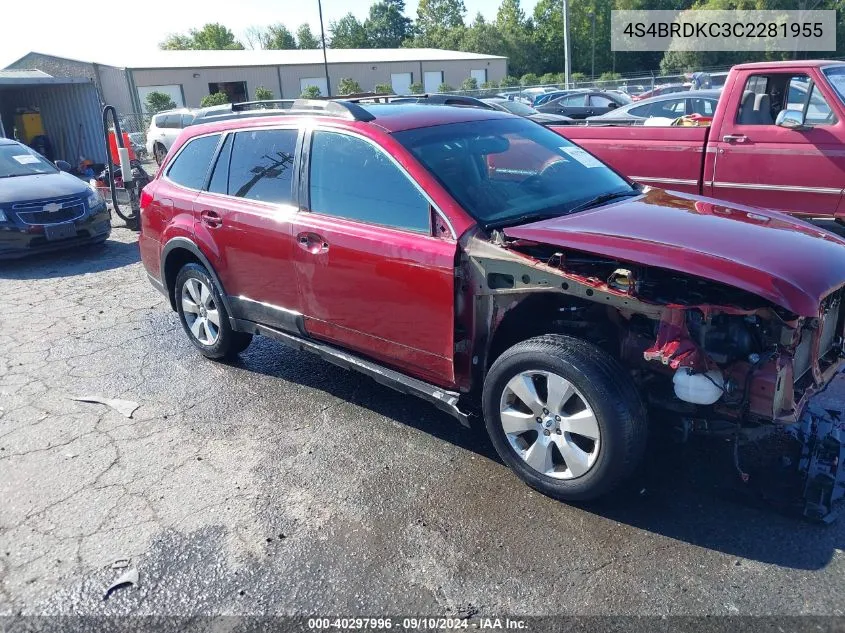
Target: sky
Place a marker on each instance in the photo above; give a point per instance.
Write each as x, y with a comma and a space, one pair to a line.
73, 32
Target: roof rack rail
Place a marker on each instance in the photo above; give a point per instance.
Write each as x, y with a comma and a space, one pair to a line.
250, 105
344, 109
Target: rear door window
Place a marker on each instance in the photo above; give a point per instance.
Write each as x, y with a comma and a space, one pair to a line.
574, 100
261, 167
190, 167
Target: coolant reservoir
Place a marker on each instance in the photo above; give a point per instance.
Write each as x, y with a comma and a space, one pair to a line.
703, 388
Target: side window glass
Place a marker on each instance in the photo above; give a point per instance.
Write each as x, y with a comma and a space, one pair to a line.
756, 106
220, 176
160, 120
599, 101
261, 167
818, 111
190, 166
705, 107
186, 120
642, 111
575, 100
342, 176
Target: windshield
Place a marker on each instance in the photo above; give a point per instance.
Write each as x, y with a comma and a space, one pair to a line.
509, 171
518, 108
836, 76
19, 160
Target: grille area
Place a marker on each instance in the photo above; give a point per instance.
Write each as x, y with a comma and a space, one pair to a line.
65, 214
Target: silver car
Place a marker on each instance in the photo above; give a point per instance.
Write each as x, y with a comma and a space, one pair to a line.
670, 106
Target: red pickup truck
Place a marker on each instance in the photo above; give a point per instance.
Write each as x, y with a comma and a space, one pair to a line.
777, 140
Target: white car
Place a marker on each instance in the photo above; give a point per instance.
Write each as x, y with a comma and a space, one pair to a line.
164, 128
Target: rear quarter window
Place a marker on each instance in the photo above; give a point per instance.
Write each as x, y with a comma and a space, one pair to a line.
190, 167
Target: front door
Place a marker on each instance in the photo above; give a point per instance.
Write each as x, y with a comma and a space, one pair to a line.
760, 163
246, 213
371, 276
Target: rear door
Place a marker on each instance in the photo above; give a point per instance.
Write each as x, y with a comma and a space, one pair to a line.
371, 274
245, 212
760, 163
574, 106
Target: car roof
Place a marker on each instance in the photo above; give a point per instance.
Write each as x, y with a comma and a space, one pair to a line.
8, 141
712, 93
389, 117
798, 63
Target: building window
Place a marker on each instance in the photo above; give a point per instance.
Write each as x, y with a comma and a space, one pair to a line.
236, 90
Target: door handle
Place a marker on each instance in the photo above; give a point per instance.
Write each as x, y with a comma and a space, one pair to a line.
312, 243
730, 138
211, 219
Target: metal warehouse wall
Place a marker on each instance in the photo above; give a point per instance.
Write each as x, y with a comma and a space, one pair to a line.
114, 87
366, 74
195, 88
71, 115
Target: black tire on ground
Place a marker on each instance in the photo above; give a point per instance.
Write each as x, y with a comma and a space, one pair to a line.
159, 152
605, 386
228, 343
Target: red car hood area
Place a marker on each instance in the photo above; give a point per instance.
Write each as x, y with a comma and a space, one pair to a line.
791, 263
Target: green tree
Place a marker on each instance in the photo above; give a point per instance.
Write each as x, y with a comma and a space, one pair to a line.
440, 23
383, 89
305, 39
444, 87
416, 88
277, 37
177, 42
348, 32
215, 99
158, 102
470, 83
549, 78
529, 79
212, 36
509, 82
490, 85
263, 94
347, 86
311, 92
386, 25
517, 33
609, 76
482, 37
576, 77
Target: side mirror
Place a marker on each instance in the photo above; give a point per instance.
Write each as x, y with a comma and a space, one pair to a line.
62, 165
790, 119
612, 106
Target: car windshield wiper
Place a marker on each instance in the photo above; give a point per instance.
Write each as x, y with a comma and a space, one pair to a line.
605, 197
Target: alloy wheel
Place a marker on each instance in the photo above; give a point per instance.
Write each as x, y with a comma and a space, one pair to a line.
549, 424
200, 311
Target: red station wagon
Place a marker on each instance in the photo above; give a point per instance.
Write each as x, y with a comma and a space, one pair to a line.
486, 264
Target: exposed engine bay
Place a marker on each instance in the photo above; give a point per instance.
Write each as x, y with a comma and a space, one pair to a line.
719, 358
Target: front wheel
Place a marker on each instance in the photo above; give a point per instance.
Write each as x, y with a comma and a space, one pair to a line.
565, 416
203, 315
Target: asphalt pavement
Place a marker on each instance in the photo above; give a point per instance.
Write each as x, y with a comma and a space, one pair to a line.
282, 484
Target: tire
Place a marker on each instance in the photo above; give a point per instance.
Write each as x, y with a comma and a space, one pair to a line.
197, 298
602, 401
159, 152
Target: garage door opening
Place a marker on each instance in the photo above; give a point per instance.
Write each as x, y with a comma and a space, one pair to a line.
235, 90
401, 83
432, 80
319, 82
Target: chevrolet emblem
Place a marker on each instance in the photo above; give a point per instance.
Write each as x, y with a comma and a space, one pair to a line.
52, 207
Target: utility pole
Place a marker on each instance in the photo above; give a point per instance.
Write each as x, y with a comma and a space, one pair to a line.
325, 59
592, 16
567, 62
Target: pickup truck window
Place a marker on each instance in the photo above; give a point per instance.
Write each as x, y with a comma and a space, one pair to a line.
511, 170
803, 95
836, 76
766, 95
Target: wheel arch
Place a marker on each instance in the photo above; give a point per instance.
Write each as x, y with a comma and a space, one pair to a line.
179, 251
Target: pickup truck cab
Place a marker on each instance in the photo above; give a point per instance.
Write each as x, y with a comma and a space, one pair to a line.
776, 141
482, 262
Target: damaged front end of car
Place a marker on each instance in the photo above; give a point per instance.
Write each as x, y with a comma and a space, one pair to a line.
724, 361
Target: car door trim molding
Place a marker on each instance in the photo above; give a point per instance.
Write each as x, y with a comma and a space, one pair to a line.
793, 188
665, 181
379, 148
268, 314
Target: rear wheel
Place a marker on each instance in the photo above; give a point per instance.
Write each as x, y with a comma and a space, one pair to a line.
203, 315
565, 416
